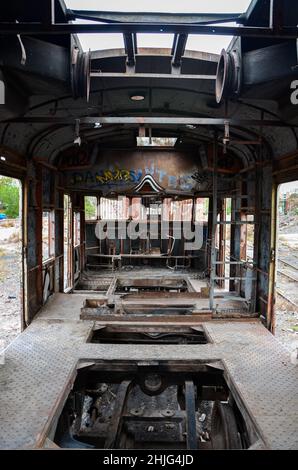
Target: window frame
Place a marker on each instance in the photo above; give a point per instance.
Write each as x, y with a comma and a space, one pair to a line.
51, 236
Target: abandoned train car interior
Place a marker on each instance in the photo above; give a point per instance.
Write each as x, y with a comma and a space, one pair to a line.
149, 180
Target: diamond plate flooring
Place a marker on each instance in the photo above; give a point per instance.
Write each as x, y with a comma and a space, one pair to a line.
40, 366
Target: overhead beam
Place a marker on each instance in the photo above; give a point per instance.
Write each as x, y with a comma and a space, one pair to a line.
150, 75
159, 121
276, 14
174, 44
163, 28
130, 48
154, 17
179, 49
49, 12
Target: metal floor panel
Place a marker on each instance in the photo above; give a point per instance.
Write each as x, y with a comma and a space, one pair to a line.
40, 364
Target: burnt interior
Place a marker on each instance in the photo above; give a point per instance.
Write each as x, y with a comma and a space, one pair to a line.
148, 335
152, 405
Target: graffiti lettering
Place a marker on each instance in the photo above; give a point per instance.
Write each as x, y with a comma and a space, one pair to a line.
107, 177
116, 175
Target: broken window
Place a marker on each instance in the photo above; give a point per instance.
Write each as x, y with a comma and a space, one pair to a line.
137, 211
48, 235
156, 141
114, 209
177, 211
201, 210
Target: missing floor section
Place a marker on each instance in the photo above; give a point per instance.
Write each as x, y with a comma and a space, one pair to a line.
147, 305
152, 405
153, 284
148, 335
123, 285
93, 283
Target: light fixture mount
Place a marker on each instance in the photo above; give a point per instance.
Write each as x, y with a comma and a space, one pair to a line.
137, 97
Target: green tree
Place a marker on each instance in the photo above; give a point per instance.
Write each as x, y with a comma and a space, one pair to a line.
90, 207
293, 204
9, 196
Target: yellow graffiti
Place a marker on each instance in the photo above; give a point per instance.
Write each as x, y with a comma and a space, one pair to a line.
116, 175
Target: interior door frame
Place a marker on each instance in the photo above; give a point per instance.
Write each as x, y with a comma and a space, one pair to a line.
24, 250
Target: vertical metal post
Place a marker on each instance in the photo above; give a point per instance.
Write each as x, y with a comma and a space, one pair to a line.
257, 201
222, 243
273, 258
190, 408
214, 223
276, 15
49, 12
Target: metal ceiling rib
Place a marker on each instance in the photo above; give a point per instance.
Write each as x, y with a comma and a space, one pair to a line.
154, 17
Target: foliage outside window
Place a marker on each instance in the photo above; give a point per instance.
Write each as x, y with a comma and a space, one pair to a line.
90, 203
10, 197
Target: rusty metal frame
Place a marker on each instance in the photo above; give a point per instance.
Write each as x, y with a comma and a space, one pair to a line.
159, 121
14, 170
214, 222
160, 28
69, 244
273, 260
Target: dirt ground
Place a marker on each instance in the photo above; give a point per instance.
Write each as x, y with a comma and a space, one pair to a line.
10, 278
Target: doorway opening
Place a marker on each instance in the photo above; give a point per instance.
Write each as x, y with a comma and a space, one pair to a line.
11, 262
286, 308
67, 244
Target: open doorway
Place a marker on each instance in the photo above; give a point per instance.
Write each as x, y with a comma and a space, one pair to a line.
11, 268
287, 267
67, 245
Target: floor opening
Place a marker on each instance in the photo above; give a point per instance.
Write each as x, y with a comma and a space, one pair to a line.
151, 285
287, 267
93, 283
153, 405
11, 277
148, 335
152, 306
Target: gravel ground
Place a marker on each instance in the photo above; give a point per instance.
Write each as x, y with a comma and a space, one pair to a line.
10, 277
286, 313
286, 326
